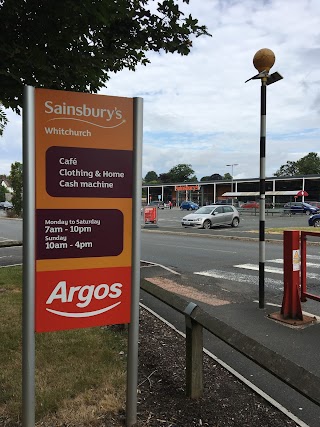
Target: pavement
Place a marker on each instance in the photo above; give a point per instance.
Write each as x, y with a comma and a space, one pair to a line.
296, 342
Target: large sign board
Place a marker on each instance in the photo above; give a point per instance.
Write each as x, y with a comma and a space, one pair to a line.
83, 205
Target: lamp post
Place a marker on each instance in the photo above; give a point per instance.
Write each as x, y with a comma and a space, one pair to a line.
263, 60
233, 164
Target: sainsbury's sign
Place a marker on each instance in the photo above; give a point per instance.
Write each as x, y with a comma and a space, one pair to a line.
84, 188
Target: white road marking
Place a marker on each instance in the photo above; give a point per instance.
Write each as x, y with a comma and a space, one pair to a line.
255, 267
280, 261
239, 277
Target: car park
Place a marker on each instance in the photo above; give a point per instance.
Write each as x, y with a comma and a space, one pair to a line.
212, 215
158, 203
300, 207
314, 220
189, 206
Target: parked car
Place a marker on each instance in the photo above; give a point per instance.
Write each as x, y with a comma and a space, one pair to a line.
316, 204
212, 215
300, 207
189, 206
6, 205
158, 203
314, 220
250, 205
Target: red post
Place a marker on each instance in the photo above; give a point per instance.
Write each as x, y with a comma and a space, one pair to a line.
291, 307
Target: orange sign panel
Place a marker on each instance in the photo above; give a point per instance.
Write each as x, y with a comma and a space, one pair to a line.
187, 187
84, 166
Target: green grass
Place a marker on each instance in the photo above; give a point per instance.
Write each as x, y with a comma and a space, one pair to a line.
78, 372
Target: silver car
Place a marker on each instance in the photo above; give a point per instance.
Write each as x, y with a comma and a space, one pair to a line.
212, 215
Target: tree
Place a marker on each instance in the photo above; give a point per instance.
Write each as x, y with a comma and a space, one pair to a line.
76, 45
307, 165
16, 180
3, 119
182, 173
213, 177
164, 178
151, 177
3, 191
227, 176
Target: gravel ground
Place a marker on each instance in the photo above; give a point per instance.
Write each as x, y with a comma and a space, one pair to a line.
161, 392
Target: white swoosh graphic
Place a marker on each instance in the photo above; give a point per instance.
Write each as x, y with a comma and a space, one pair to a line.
85, 121
88, 314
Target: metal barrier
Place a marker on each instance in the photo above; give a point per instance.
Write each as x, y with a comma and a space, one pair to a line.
304, 293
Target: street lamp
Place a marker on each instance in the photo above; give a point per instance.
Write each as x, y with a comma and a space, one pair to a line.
233, 164
263, 60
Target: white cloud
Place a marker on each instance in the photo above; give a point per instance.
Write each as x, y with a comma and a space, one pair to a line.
197, 108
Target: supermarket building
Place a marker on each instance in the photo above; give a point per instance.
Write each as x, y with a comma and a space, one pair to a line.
279, 190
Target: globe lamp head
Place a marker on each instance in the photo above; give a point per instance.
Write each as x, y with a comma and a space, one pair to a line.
264, 59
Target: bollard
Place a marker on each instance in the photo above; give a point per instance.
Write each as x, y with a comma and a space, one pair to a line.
194, 355
291, 307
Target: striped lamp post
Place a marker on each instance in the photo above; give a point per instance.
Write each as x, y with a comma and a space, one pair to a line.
263, 60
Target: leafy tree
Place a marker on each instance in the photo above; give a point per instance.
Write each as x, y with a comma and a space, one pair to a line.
307, 165
151, 177
213, 177
3, 119
182, 173
2, 193
16, 180
227, 176
76, 45
165, 178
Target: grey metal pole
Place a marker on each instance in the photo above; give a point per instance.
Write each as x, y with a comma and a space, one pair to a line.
132, 375
262, 218
28, 305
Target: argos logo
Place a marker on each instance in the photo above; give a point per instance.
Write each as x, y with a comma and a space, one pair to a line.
82, 296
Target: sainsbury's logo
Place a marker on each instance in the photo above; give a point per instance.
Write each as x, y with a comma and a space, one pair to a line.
79, 112
83, 296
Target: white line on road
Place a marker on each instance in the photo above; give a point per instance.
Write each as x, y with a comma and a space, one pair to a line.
274, 270
239, 277
255, 267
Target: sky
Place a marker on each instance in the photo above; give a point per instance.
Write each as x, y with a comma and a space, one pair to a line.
199, 111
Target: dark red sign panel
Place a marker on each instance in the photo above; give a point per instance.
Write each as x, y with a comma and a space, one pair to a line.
88, 172
78, 233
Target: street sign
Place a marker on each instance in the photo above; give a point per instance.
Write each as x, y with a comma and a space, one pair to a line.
83, 221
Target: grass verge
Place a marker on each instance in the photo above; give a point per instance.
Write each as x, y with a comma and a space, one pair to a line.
80, 374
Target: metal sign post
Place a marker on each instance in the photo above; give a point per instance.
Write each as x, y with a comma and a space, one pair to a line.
28, 336
82, 265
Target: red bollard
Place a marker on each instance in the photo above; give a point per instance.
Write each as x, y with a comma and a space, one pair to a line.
291, 307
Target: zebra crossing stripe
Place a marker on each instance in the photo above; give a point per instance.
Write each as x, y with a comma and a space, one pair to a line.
240, 277
255, 267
